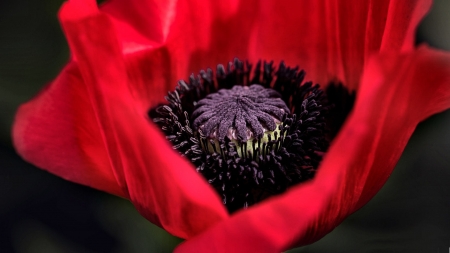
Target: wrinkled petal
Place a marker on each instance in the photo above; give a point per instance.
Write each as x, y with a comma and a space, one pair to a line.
181, 31
160, 40
396, 93
102, 118
333, 39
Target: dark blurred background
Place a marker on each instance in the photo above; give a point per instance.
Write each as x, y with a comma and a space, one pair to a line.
40, 212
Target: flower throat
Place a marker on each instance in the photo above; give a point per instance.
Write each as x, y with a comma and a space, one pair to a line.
251, 132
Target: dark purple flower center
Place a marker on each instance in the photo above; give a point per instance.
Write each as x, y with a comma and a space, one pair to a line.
239, 113
251, 132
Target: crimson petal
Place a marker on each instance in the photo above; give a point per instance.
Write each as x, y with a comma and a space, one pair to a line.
111, 138
183, 32
396, 93
333, 39
329, 39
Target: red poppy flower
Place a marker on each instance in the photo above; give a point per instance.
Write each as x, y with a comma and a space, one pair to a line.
90, 126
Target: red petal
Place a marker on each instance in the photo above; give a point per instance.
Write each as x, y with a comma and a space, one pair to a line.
333, 39
202, 33
189, 35
396, 93
103, 118
329, 39
46, 135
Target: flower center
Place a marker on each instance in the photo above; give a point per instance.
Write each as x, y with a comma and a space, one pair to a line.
242, 114
252, 132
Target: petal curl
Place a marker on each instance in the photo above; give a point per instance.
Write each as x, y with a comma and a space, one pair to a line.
56, 131
200, 33
103, 118
397, 92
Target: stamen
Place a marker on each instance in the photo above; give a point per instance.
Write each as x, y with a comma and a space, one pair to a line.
251, 132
